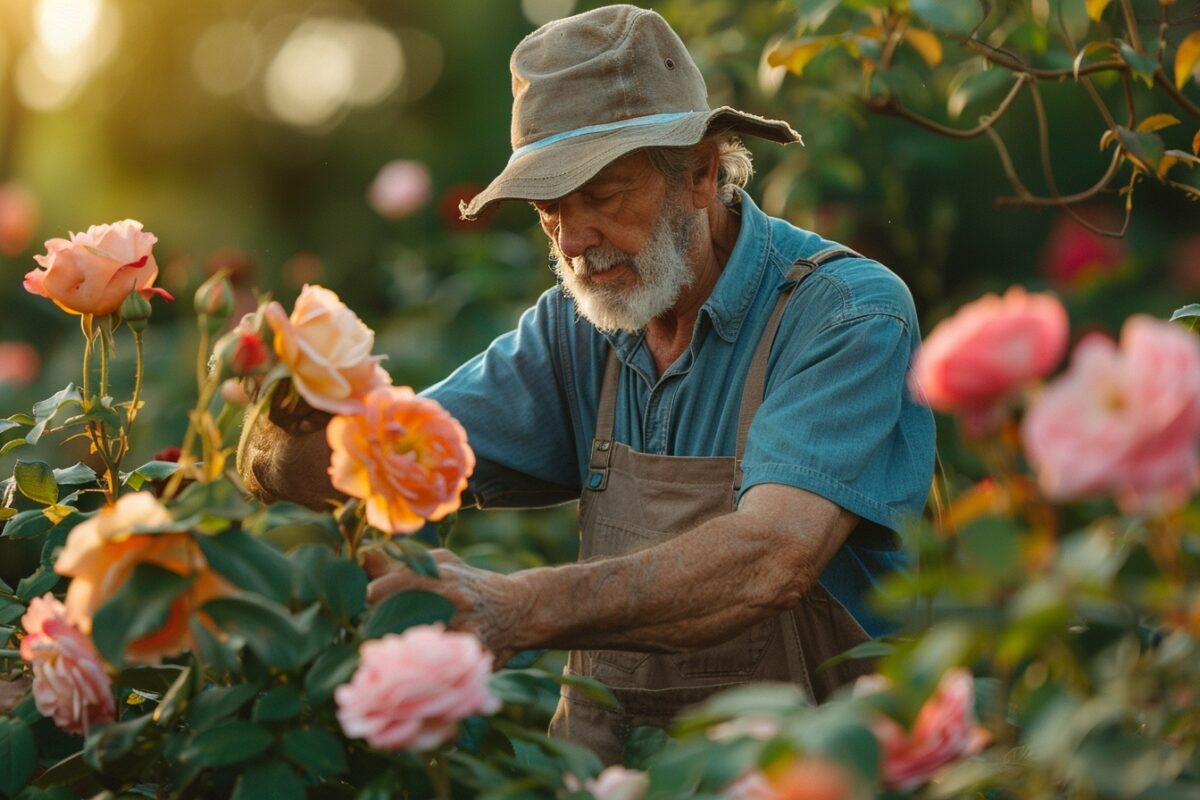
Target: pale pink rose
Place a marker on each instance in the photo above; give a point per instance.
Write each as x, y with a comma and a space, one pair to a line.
751, 786
69, 682
18, 218
400, 188
327, 349
944, 731
988, 350
94, 271
411, 689
1123, 420
19, 363
803, 779
753, 727
614, 783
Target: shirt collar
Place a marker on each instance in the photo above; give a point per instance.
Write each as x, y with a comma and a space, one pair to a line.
726, 306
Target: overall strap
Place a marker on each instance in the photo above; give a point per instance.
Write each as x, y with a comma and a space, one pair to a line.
597, 477
756, 376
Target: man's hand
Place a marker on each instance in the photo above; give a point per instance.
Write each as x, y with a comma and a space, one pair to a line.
283, 454
490, 605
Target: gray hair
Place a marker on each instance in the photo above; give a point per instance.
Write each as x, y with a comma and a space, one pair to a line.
734, 164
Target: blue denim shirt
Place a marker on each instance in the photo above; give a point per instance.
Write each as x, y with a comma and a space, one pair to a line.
836, 419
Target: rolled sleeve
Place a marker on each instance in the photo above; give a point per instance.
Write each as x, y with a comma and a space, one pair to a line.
837, 420
512, 402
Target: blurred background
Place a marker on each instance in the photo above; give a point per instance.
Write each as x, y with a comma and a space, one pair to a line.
329, 141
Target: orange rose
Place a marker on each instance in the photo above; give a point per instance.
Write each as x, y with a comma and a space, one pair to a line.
402, 454
94, 271
101, 553
327, 348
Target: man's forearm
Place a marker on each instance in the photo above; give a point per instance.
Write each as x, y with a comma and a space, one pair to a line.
695, 590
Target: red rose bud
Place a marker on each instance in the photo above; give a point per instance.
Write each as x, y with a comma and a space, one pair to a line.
135, 310
241, 353
214, 301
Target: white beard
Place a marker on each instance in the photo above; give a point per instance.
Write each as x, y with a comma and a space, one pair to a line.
661, 268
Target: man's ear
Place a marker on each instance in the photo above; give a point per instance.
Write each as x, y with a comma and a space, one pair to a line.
704, 173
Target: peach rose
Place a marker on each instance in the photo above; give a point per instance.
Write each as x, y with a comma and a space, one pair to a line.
94, 271
327, 348
1123, 419
411, 689
400, 188
69, 682
18, 218
989, 349
404, 455
101, 553
944, 731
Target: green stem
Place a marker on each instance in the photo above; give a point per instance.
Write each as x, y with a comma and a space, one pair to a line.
139, 369
440, 778
202, 357
103, 360
208, 389
85, 322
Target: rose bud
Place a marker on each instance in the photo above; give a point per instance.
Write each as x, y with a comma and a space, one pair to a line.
241, 353
214, 301
135, 310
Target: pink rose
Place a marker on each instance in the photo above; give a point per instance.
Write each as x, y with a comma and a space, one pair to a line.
989, 349
69, 682
411, 689
1124, 420
94, 271
1075, 256
327, 349
18, 218
804, 779
18, 363
944, 731
400, 188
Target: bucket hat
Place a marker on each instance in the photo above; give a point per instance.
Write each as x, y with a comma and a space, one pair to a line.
593, 87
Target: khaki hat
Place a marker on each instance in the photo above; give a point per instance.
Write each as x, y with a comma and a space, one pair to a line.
591, 88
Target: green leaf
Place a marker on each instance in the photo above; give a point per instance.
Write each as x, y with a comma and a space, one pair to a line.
216, 703
75, 475
315, 750
10, 610
591, 687
150, 471
279, 703
403, 610
220, 499
8, 424
415, 555
519, 688
524, 659
271, 781
18, 755
35, 480
28, 524
645, 742
345, 588
868, 649
140, 607
6, 513
954, 16
218, 656
266, 626
44, 411
68, 772
37, 584
577, 759
109, 743
1142, 65
1144, 148
231, 743
1186, 312
249, 563
992, 547
331, 669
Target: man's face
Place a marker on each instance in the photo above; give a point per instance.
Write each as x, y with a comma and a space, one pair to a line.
621, 244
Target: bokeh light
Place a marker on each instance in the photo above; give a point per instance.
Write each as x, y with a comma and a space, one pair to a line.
539, 12
73, 38
226, 57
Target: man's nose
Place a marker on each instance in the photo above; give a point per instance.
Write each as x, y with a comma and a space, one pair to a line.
576, 228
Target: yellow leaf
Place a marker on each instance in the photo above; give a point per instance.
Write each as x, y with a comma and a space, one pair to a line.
1164, 164
1186, 56
925, 43
1095, 8
796, 56
1196, 143
1156, 122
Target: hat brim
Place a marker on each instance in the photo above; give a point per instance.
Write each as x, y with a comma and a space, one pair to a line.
558, 169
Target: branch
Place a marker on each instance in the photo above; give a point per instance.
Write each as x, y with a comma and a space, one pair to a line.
1027, 198
1135, 37
1163, 81
1006, 59
890, 105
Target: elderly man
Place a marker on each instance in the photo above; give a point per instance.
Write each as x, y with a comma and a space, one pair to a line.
723, 392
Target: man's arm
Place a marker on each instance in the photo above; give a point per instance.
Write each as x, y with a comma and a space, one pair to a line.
695, 590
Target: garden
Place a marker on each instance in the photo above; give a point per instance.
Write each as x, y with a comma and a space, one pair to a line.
212, 211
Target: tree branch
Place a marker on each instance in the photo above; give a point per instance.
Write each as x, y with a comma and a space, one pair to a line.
890, 105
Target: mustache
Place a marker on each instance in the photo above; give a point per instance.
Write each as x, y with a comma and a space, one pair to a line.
596, 259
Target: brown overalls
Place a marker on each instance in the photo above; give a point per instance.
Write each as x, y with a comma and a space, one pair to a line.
635, 500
